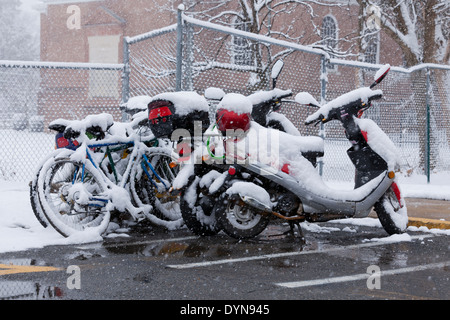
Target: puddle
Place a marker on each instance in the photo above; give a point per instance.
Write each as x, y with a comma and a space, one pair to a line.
219, 246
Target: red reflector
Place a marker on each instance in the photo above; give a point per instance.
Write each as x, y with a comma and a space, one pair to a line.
62, 142
159, 112
364, 133
231, 171
285, 168
231, 120
184, 151
396, 190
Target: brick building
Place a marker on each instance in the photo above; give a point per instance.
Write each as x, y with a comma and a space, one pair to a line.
93, 31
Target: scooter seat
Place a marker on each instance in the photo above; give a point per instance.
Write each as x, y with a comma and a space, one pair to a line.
312, 156
310, 147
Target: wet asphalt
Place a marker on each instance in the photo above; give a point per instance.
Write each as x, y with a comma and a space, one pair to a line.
332, 262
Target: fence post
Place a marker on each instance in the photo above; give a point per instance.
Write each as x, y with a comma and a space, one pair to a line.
125, 76
427, 132
179, 47
323, 94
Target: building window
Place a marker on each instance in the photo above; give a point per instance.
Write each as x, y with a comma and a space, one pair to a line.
329, 35
329, 32
242, 47
371, 53
103, 49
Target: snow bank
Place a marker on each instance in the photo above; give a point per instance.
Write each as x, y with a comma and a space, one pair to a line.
393, 238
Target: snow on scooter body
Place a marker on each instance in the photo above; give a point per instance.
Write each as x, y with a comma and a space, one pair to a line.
198, 182
297, 191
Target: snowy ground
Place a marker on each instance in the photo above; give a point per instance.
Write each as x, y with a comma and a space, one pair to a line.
19, 229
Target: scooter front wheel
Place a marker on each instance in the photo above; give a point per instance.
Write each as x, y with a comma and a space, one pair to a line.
237, 219
392, 212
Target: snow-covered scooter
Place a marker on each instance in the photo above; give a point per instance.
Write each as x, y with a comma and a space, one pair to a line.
197, 179
290, 188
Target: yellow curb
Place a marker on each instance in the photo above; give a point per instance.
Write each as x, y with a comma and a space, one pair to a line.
429, 223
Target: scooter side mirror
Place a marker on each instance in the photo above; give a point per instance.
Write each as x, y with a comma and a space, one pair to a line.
214, 93
276, 70
380, 75
306, 99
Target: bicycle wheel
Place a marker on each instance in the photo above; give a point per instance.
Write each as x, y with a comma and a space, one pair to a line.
34, 194
72, 197
150, 182
34, 200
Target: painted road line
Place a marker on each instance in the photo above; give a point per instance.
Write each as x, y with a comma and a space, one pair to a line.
13, 269
362, 276
126, 244
286, 254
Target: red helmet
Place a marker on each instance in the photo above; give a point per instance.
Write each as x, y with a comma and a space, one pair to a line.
231, 120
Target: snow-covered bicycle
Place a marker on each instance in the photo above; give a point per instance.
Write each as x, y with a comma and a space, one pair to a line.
77, 189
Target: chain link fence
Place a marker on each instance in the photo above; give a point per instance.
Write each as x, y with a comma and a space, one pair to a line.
150, 63
415, 111
194, 55
34, 94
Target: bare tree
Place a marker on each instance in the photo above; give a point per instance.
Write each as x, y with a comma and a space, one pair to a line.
419, 27
422, 30
17, 40
275, 18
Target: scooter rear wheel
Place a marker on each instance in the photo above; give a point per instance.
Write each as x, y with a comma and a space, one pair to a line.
199, 219
237, 219
392, 212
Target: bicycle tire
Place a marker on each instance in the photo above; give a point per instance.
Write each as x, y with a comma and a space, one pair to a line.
150, 186
34, 200
201, 223
65, 190
34, 194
